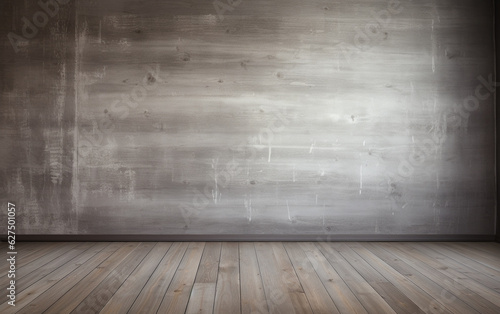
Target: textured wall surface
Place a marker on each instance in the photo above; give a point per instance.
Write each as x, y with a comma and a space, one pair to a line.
248, 117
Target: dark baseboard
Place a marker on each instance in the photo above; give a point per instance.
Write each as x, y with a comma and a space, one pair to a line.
249, 237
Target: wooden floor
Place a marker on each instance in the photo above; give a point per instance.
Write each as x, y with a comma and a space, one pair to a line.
260, 277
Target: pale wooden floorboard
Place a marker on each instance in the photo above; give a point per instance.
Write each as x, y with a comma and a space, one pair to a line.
54, 293
366, 294
50, 275
151, 295
253, 298
177, 295
125, 296
345, 300
488, 276
279, 299
202, 297
450, 302
470, 297
73, 297
260, 277
27, 252
397, 300
103, 293
316, 293
479, 256
227, 296
415, 293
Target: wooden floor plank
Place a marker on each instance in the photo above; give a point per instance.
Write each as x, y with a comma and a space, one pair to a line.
98, 298
177, 295
208, 269
253, 298
28, 252
489, 249
202, 297
23, 258
227, 296
456, 271
345, 300
290, 279
424, 301
261, 277
447, 298
423, 265
149, 299
28, 279
70, 300
487, 259
279, 299
316, 294
49, 256
50, 296
366, 294
488, 276
125, 296
54, 275
28, 273
392, 295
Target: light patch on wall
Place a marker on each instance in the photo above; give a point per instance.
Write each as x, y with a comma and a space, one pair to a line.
54, 150
183, 23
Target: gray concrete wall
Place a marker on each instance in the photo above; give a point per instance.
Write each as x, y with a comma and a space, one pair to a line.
263, 117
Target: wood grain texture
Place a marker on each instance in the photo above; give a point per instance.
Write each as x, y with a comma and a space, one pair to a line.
366, 294
104, 292
317, 295
152, 294
202, 296
234, 277
470, 296
425, 301
253, 298
396, 299
51, 295
489, 277
256, 117
54, 265
74, 296
279, 300
228, 295
201, 300
49, 277
125, 296
343, 297
176, 297
449, 298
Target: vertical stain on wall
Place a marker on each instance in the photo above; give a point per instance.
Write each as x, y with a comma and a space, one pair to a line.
54, 153
127, 185
37, 107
